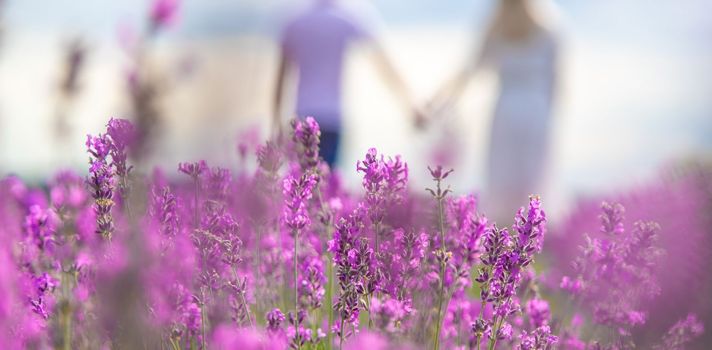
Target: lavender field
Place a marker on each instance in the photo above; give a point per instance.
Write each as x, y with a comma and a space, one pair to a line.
199, 257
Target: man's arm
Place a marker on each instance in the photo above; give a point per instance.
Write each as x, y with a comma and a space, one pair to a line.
282, 71
394, 80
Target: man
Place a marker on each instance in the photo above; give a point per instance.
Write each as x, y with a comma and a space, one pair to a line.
314, 44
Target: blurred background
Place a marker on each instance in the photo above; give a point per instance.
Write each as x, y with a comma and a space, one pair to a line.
636, 82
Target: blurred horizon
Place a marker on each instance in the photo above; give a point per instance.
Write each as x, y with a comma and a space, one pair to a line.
637, 81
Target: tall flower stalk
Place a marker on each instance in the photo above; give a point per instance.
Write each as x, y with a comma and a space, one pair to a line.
506, 256
297, 192
101, 181
529, 230
122, 134
195, 170
616, 273
442, 255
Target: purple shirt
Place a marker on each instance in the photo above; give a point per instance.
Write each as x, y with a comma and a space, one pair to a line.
315, 42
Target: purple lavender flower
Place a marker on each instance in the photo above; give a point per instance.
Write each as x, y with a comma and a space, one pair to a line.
221, 232
530, 230
218, 183
612, 219
164, 12
442, 255
371, 341
384, 181
101, 182
306, 135
42, 301
353, 259
237, 289
439, 173
312, 283
673, 199
540, 339
570, 285
496, 242
164, 210
481, 327
503, 261
192, 318
40, 226
505, 331
464, 233
68, 191
681, 333
402, 260
616, 272
229, 338
123, 135
538, 311
274, 320
297, 191
193, 170
297, 334
389, 314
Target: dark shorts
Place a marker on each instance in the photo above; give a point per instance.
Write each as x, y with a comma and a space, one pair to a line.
330, 134
329, 146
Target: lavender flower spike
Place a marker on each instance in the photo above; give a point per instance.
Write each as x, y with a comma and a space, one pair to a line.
530, 230
123, 135
683, 332
274, 320
306, 136
102, 183
297, 191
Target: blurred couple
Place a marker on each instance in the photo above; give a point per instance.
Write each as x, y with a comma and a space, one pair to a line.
519, 45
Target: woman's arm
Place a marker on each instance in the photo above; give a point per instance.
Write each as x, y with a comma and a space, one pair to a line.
452, 90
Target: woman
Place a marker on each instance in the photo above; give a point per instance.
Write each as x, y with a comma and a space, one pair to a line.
521, 47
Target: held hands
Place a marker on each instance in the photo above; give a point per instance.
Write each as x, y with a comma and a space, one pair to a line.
420, 118
441, 104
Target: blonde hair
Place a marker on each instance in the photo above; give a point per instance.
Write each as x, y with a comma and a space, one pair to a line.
518, 20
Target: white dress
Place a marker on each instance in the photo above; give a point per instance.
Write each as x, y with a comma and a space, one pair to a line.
518, 149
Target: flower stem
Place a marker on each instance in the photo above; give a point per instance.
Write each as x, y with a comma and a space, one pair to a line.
66, 313
368, 306
202, 323
296, 288
242, 297
495, 336
498, 321
441, 284
479, 318
195, 209
329, 297
376, 233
